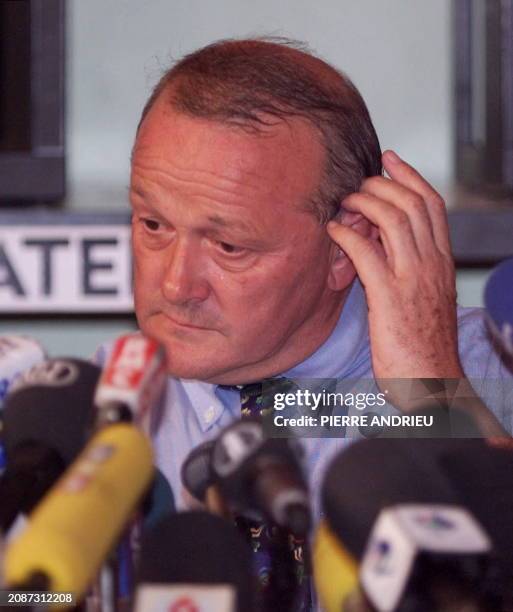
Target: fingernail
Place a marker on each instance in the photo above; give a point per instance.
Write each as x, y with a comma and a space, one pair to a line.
393, 157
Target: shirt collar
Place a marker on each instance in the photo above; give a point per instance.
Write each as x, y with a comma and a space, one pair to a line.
206, 404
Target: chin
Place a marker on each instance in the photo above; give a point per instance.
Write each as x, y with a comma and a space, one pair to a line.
198, 371
192, 364
190, 354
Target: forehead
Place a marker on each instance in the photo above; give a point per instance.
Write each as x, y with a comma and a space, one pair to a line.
283, 163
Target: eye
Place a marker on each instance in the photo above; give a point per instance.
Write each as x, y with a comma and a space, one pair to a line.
151, 225
230, 249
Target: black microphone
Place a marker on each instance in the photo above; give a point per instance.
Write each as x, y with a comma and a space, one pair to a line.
482, 475
397, 496
198, 561
263, 476
373, 474
199, 481
17, 354
47, 417
428, 558
196, 472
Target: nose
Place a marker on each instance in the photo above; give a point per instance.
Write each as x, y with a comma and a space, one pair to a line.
184, 279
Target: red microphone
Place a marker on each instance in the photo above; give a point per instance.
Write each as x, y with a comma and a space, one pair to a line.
132, 381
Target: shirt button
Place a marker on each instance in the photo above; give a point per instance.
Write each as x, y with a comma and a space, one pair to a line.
209, 414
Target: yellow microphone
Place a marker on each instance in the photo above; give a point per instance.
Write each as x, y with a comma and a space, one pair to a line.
335, 573
78, 522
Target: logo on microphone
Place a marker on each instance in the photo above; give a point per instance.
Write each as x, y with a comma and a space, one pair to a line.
434, 521
86, 467
131, 356
235, 445
183, 604
380, 557
50, 373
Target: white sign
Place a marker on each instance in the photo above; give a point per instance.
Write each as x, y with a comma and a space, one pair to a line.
185, 598
65, 268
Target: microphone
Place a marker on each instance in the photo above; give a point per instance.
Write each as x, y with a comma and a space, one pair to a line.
483, 477
335, 573
157, 503
195, 561
426, 557
198, 479
498, 298
256, 473
406, 481
17, 354
77, 523
377, 473
132, 382
196, 472
46, 420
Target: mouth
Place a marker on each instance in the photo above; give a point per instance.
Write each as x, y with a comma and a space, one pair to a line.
181, 324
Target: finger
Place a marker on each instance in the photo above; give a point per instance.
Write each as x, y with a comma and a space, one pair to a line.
410, 203
364, 253
394, 228
405, 174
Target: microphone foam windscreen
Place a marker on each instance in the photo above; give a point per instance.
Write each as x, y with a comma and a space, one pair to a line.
52, 404
198, 548
196, 473
373, 474
483, 476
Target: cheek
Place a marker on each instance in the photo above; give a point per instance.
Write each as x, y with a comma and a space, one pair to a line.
256, 299
147, 276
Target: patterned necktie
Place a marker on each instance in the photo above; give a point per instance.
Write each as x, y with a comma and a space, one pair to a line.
273, 547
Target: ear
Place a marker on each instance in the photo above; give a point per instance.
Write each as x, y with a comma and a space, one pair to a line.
342, 271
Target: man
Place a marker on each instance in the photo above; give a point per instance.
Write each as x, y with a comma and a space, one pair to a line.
267, 243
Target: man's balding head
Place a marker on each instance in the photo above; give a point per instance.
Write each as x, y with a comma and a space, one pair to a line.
254, 83
239, 143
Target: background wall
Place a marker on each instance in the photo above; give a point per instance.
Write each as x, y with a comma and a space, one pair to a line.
398, 53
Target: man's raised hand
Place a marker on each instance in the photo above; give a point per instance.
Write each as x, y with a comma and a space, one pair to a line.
408, 274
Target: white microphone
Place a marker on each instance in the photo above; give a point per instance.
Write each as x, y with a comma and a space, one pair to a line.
17, 354
409, 547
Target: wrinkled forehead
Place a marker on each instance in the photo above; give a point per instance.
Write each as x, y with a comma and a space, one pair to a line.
164, 125
284, 159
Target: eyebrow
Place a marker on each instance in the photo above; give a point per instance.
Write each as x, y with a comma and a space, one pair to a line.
231, 224
216, 220
138, 191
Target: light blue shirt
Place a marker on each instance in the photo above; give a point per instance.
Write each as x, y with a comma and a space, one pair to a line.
194, 411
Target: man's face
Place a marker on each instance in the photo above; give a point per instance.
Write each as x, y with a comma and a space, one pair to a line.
230, 272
